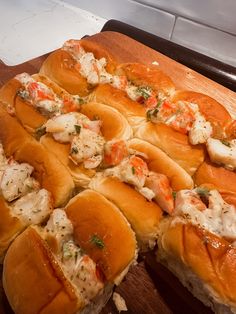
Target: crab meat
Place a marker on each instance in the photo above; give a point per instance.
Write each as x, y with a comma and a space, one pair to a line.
85, 145
33, 207
222, 152
16, 181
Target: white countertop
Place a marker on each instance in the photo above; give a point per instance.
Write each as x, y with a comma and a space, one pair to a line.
29, 29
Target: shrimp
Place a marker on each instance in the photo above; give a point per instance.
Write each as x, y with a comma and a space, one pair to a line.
160, 185
114, 152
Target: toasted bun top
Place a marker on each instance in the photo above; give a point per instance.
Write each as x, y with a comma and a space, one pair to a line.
34, 281
220, 177
144, 216
60, 67
102, 231
211, 258
9, 226
160, 162
174, 144
118, 99
114, 124
8, 91
151, 76
48, 170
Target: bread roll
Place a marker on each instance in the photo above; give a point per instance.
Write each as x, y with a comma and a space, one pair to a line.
113, 126
174, 144
144, 216
134, 112
220, 177
202, 261
160, 162
151, 76
9, 227
48, 170
27, 113
63, 277
34, 281
92, 215
60, 67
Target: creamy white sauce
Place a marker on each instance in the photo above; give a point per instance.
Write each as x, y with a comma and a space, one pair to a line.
219, 218
33, 207
201, 130
222, 152
125, 172
65, 126
85, 145
16, 181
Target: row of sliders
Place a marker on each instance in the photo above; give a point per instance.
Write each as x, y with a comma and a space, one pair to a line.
122, 140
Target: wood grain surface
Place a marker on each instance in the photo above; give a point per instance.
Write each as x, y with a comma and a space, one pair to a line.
148, 287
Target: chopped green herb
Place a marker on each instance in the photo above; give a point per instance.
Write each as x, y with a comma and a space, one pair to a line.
97, 241
40, 132
226, 143
77, 128
203, 192
133, 170
145, 92
74, 150
155, 112
159, 103
174, 194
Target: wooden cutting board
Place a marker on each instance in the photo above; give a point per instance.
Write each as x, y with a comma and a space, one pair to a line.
148, 287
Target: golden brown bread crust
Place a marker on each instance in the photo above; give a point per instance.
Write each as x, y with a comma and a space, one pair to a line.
144, 216
9, 227
212, 110
33, 280
151, 76
220, 177
106, 94
92, 215
28, 116
61, 68
114, 124
210, 257
80, 175
160, 162
48, 170
174, 144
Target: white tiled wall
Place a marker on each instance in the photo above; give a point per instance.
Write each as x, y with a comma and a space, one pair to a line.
207, 26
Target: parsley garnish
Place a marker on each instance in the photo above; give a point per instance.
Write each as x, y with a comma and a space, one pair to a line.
144, 91
77, 128
133, 170
74, 150
97, 241
174, 194
202, 192
40, 132
225, 143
